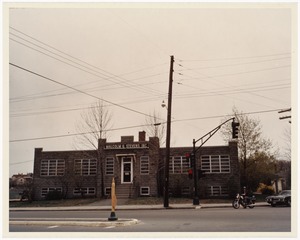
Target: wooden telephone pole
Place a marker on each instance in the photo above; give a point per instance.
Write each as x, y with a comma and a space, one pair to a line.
168, 137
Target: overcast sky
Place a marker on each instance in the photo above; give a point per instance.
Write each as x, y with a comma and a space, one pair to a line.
225, 56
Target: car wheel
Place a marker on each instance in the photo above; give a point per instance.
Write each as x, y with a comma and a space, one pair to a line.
288, 202
273, 204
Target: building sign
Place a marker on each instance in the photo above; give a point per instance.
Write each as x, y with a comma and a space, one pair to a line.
127, 146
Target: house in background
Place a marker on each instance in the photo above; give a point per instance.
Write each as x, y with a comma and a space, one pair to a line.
20, 179
283, 176
138, 170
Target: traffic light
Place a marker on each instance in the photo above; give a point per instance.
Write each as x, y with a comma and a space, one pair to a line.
190, 172
188, 158
235, 129
192, 160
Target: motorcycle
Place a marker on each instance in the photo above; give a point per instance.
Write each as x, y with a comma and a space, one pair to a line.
245, 201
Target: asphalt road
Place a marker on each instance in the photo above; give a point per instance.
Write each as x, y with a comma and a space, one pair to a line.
259, 219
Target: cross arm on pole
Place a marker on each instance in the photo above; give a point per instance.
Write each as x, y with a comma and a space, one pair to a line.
209, 135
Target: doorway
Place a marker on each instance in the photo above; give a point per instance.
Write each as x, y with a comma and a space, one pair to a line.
126, 170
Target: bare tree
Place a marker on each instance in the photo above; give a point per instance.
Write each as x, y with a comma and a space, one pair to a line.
94, 125
250, 142
155, 127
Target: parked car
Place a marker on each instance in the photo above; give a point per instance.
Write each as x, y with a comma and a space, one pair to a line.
282, 198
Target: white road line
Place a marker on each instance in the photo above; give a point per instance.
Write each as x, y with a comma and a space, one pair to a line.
110, 227
53, 227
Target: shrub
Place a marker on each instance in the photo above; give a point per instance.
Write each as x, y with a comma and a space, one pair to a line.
265, 189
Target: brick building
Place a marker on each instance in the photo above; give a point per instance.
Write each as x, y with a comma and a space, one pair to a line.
138, 169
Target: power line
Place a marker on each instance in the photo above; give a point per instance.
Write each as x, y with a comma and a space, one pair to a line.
20, 162
145, 125
78, 90
219, 116
220, 92
124, 81
228, 85
236, 64
233, 58
75, 134
239, 73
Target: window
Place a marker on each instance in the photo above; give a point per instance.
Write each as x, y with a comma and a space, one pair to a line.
109, 166
179, 165
53, 167
217, 191
85, 191
45, 191
145, 191
85, 167
144, 164
215, 164
107, 191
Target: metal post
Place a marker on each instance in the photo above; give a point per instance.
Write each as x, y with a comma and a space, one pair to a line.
168, 137
196, 196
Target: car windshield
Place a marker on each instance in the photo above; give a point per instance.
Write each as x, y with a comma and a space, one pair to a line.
286, 192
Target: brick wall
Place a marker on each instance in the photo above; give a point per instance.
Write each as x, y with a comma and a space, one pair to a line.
127, 147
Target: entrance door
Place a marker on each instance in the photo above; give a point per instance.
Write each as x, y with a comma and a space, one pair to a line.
126, 170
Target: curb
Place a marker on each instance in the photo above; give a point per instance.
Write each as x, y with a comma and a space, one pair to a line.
78, 222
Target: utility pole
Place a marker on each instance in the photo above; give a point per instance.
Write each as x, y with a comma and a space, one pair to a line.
168, 137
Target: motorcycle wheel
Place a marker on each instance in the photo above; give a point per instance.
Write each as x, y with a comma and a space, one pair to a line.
235, 204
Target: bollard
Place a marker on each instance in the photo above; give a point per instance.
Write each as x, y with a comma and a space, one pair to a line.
113, 216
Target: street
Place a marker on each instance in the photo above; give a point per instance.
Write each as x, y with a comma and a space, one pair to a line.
259, 219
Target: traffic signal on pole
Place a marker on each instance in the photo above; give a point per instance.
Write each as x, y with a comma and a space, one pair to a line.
188, 158
235, 129
192, 160
190, 172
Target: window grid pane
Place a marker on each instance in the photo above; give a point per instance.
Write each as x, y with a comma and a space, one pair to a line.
215, 164
85, 167
52, 167
144, 164
109, 166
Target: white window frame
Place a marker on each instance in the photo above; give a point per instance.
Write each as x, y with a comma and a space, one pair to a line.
109, 166
144, 165
86, 190
45, 191
217, 191
90, 170
178, 165
52, 167
215, 163
145, 188
107, 191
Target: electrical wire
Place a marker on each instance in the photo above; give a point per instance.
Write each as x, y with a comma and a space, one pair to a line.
232, 58
78, 90
122, 128
124, 81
